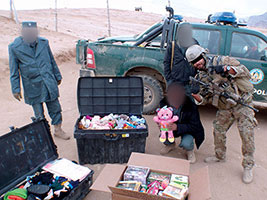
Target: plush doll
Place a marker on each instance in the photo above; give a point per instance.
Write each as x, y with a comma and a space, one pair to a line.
164, 117
120, 123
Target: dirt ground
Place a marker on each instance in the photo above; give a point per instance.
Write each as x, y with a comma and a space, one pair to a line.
225, 178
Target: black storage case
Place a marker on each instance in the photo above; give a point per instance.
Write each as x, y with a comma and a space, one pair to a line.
26, 150
102, 96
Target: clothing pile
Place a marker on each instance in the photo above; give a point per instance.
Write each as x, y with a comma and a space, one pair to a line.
111, 122
141, 179
43, 185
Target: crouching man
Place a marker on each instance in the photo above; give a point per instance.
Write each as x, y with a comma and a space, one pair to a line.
188, 127
31, 60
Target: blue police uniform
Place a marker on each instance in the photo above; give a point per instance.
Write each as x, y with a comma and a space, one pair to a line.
35, 65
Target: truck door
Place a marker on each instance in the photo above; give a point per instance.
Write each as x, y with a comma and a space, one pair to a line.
251, 51
211, 38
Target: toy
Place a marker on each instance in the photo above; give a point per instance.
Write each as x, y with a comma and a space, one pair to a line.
164, 117
138, 120
129, 185
135, 173
153, 188
176, 193
155, 176
111, 121
179, 181
86, 122
120, 123
165, 183
143, 188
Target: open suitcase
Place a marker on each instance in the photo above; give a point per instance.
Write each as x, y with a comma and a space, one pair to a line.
26, 150
102, 96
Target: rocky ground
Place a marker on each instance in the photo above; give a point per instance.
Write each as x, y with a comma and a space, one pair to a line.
225, 178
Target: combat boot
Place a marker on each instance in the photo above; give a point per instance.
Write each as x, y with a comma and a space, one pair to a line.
191, 157
58, 132
167, 148
247, 175
213, 159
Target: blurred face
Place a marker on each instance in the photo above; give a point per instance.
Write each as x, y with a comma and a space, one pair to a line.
184, 34
29, 35
176, 95
200, 65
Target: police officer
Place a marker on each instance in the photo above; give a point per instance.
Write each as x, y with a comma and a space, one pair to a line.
31, 60
228, 73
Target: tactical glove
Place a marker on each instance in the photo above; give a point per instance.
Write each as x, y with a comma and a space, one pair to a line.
219, 69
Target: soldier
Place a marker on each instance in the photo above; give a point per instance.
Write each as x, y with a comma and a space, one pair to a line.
31, 60
233, 77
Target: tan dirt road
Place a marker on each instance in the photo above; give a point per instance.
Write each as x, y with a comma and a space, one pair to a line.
91, 23
225, 177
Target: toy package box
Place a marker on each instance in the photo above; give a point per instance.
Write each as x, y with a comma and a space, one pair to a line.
157, 183
31, 168
136, 173
111, 125
164, 171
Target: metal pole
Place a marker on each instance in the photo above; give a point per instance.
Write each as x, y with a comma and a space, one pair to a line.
56, 15
109, 29
11, 10
15, 12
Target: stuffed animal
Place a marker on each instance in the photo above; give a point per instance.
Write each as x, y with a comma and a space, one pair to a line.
138, 120
164, 117
120, 123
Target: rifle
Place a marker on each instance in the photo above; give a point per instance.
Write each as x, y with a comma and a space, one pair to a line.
216, 89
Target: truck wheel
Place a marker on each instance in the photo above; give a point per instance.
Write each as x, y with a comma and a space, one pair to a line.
153, 93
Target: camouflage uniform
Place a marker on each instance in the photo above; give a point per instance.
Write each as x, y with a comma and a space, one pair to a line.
227, 112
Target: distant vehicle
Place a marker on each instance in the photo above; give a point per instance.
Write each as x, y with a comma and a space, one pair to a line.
224, 17
138, 9
143, 55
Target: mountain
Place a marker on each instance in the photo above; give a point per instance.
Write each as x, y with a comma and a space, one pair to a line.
258, 21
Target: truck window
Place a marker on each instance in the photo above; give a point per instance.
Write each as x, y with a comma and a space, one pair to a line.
248, 46
208, 39
153, 43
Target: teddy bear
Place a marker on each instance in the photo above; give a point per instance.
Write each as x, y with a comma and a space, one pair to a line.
163, 118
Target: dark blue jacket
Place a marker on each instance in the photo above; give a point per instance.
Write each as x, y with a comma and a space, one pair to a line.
37, 69
189, 121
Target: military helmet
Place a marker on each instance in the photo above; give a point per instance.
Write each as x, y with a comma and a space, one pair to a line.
193, 52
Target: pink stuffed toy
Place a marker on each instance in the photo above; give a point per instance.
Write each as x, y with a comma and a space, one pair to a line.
164, 117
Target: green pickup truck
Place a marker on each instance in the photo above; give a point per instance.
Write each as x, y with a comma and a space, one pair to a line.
142, 55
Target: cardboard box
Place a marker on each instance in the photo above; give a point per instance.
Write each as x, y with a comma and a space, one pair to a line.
108, 179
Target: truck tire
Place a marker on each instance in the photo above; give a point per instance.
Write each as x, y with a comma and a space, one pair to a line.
153, 94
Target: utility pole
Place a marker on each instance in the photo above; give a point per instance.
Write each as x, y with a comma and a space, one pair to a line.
109, 29
56, 15
13, 11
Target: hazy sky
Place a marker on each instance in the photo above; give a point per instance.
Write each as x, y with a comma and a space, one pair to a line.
195, 8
